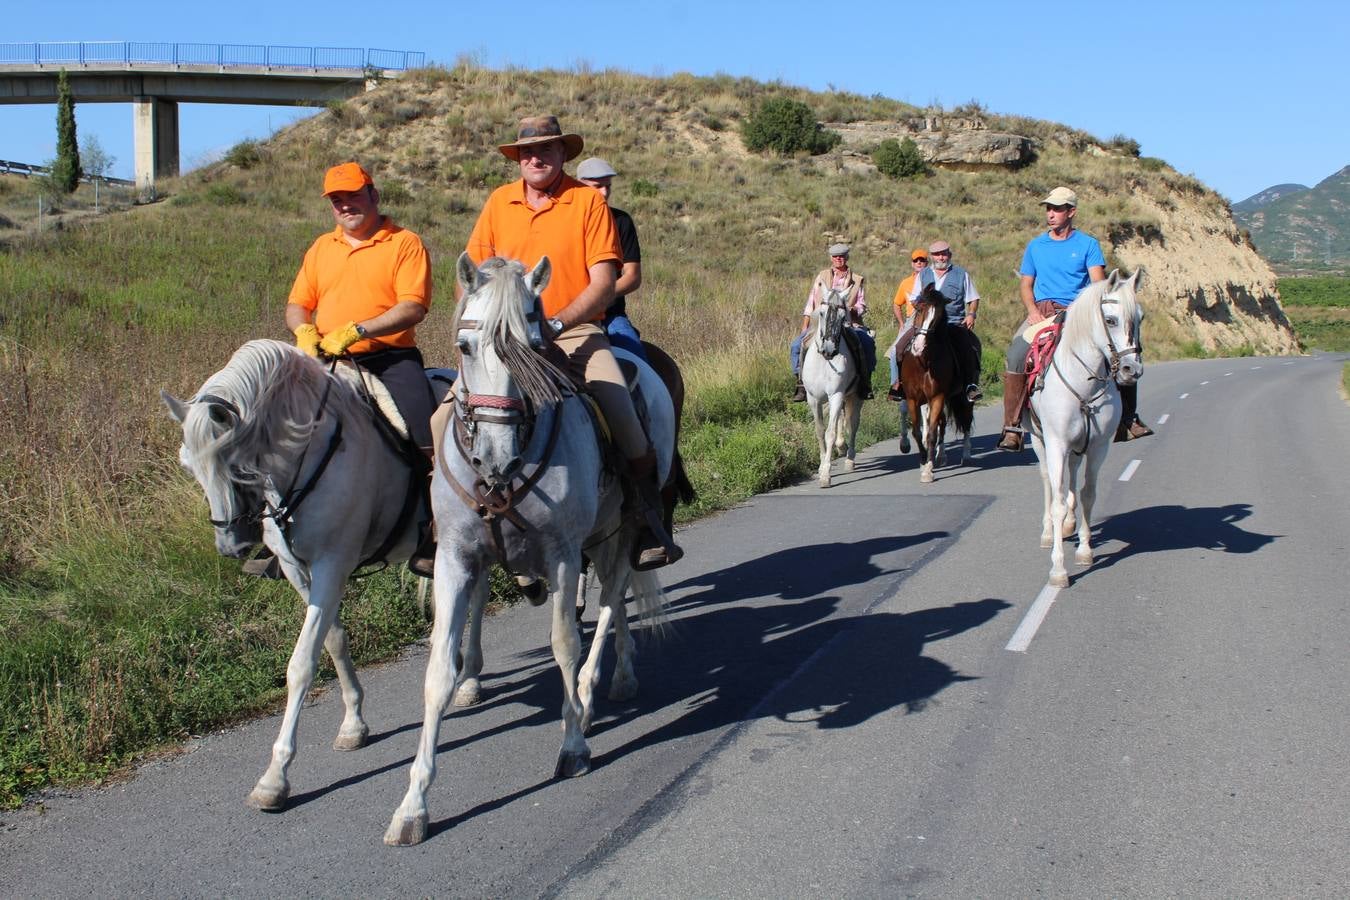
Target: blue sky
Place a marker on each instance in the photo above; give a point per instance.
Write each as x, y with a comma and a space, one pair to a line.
1242, 95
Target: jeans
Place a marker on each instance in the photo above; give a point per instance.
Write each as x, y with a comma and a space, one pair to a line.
622, 334
866, 343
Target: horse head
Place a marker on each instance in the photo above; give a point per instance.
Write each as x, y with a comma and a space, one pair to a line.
930, 317
208, 422
1116, 326
831, 315
503, 382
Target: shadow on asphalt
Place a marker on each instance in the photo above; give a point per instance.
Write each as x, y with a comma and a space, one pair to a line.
730, 660
1157, 529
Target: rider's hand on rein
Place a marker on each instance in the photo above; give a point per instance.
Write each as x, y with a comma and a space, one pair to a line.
335, 343
307, 339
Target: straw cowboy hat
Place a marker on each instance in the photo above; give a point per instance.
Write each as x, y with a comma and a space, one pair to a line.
541, 130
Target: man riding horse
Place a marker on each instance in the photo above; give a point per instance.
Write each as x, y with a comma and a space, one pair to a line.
839, 277
549, 213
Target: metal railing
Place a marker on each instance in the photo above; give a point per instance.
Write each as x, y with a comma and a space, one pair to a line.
131, 53
8, 167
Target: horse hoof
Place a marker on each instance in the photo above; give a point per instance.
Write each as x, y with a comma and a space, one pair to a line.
926, 475
572, 763
469, 693
534, 590
824, 482
849, 465
407, 831
354, 740
620, 691
904, 445
1060, 581
1083, 557
267, 799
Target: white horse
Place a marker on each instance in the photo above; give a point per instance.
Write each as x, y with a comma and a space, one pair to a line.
1073, 417
830, 374
286, 451
521, 481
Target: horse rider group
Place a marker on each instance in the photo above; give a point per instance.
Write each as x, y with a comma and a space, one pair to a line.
363, 287
1056, 265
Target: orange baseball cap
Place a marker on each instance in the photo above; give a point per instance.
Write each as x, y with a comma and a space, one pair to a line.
346, 177
919, 254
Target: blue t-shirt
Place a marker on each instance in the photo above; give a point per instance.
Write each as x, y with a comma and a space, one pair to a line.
1061, 267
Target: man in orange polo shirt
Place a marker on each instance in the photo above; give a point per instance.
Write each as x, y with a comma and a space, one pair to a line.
549, 213
361, 290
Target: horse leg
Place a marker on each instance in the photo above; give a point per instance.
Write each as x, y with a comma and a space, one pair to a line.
1047, 497
1087, 496
932, 440
848, 438
941, 458
1057, 467
831, 438
468, 689
353, 732
612, 586
325, 590
453, 587
818, 420
574, 758
904, 426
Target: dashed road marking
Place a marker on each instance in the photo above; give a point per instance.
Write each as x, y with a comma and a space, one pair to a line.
1183, 396
1202, 384
1226, 374
1130, 470
1162, 420
1031, 622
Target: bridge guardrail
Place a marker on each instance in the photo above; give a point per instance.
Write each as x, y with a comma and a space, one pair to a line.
87, 53
9, 167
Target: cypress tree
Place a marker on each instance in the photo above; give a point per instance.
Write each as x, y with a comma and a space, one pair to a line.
66, 170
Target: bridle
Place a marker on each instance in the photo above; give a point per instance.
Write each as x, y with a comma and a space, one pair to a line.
832, 324
495, 500
1111, 359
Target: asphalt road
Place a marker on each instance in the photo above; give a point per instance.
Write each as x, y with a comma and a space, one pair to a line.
839, 712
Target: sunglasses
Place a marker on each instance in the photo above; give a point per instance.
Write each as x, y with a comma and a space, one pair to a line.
1058, 207
920, 259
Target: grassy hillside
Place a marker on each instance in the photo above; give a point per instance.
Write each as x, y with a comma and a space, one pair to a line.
120, 628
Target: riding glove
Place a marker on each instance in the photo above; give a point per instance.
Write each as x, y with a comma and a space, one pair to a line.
335, 343
307, 339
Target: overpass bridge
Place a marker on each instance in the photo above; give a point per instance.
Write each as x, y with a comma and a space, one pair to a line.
155, 77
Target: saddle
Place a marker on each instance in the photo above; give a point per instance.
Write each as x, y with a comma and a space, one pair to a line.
855, 350
1043, 338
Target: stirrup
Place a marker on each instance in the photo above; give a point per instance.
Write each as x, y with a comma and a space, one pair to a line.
973, 393
422, 563
1011, 440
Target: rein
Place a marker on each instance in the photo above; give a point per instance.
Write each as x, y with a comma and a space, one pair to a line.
283, 513
1085, 404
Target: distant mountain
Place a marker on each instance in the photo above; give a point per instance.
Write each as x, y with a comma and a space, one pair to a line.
1304, 229
1268, 195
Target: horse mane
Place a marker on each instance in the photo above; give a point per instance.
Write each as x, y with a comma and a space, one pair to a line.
506, 296
277, 390
1082, 315
931, 296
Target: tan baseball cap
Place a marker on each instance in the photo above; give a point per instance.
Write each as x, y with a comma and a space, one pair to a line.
1061, 196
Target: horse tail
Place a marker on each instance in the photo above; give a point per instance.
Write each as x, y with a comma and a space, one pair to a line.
684, 488
649, 602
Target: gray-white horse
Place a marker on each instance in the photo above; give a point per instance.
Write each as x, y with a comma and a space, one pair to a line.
829, 375
1073, 418
287, 451
521, 480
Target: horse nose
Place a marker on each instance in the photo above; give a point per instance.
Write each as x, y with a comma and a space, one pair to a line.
512, 467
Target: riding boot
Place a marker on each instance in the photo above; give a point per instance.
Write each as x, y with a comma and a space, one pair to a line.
800, 395
642, 497
1014, 386
422, 563
1130, 427
896, 393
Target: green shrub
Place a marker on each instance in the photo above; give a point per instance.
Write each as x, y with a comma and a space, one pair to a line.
245, 154
899, 159
1123, 144
394, 192
785, 127
644, 188
222, 194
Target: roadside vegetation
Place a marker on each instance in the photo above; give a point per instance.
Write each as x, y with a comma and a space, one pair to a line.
1319, 309
120, 628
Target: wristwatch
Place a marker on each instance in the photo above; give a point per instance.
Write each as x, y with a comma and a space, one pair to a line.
555, 326
361, 330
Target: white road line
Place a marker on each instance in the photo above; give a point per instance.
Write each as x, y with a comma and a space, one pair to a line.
1031, 622
1184, 396
1203, 383
1254, 368
1162, 420
1226, 374
1130, 470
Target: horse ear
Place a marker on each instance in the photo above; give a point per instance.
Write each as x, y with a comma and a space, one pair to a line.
177, 408
466, 272
1113, 279
543, 271
1138, 279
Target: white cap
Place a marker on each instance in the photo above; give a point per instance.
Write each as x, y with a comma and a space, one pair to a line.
595, 167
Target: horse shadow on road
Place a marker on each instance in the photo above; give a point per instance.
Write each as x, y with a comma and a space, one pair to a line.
1156, 529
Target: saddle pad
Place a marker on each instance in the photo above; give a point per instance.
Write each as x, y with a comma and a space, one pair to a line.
384, 401
1029, 333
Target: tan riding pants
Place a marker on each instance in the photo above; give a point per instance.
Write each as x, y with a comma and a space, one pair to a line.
592, 361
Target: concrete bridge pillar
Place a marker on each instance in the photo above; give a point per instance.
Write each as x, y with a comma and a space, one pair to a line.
156, 127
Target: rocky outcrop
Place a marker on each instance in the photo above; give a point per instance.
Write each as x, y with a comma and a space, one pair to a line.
1206, 283
949, 143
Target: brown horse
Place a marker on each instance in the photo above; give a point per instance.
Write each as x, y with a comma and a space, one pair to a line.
931, 374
